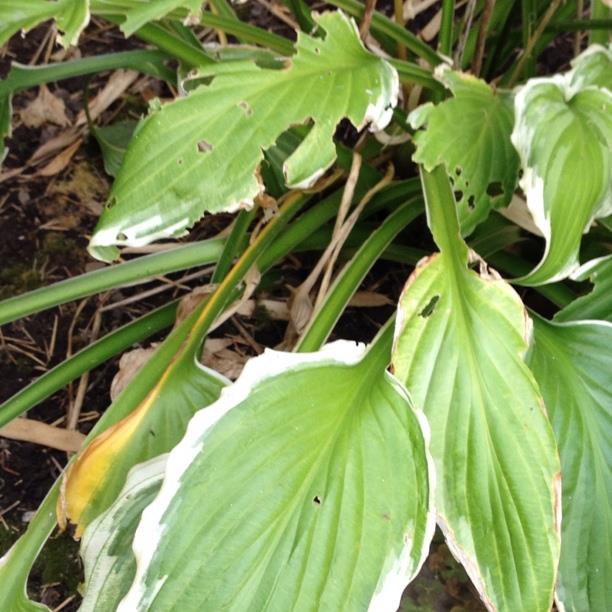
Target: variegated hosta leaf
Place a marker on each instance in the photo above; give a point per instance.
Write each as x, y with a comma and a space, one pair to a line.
597, 304
305, 486
201, 153
153, 427
106, 547
460, 341
572, 362
563, 134
71, 17
138, 12
470, 134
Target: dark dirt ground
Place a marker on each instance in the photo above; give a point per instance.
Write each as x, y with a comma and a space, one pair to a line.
44, 222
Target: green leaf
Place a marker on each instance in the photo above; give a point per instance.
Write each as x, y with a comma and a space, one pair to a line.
309, 484
563, 134
460, 341
106, 548
113, 140
593, 67
144, 12
470, 135
572, 363
178, 163
71, 16
154, 426
17, 597
597, 304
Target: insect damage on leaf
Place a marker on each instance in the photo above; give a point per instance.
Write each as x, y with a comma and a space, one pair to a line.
202, 153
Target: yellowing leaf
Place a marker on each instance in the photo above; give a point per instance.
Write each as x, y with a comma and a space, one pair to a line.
153, 427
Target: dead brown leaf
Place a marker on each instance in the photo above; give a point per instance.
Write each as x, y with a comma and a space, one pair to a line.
61, 160
189, 303
45, 108
219, 357
118, 82
29, 430
369, 299
129, 365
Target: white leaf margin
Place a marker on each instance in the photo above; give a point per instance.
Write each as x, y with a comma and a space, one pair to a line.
522, 135
98, 566
267, 365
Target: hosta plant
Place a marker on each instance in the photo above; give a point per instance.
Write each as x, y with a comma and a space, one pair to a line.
484, 405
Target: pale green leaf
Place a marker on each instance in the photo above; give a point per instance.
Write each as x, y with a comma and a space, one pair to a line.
597, 304
593, 67
573, 365
563, 134
71, 16
460, 341
306, 486
470, 135
106, 548
201, 153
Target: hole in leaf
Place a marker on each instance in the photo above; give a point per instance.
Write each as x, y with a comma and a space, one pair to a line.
458, 195
471, 203
179, 161
317, 50
316, 500
246, 107
495, 189
430, 307
121, 236
111, 202
204, 146
458, 170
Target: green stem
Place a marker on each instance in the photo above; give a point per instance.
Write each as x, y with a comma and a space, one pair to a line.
148, 62
132, 272
379, 351
413, 73
15, 565
384, 25
235, 244
301, 12
445, 44
219, 300
528, 16
602, 25
351, 277
248, 33
87, 359
599, 12
157, 35
442, 216
527, 54
223, 8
